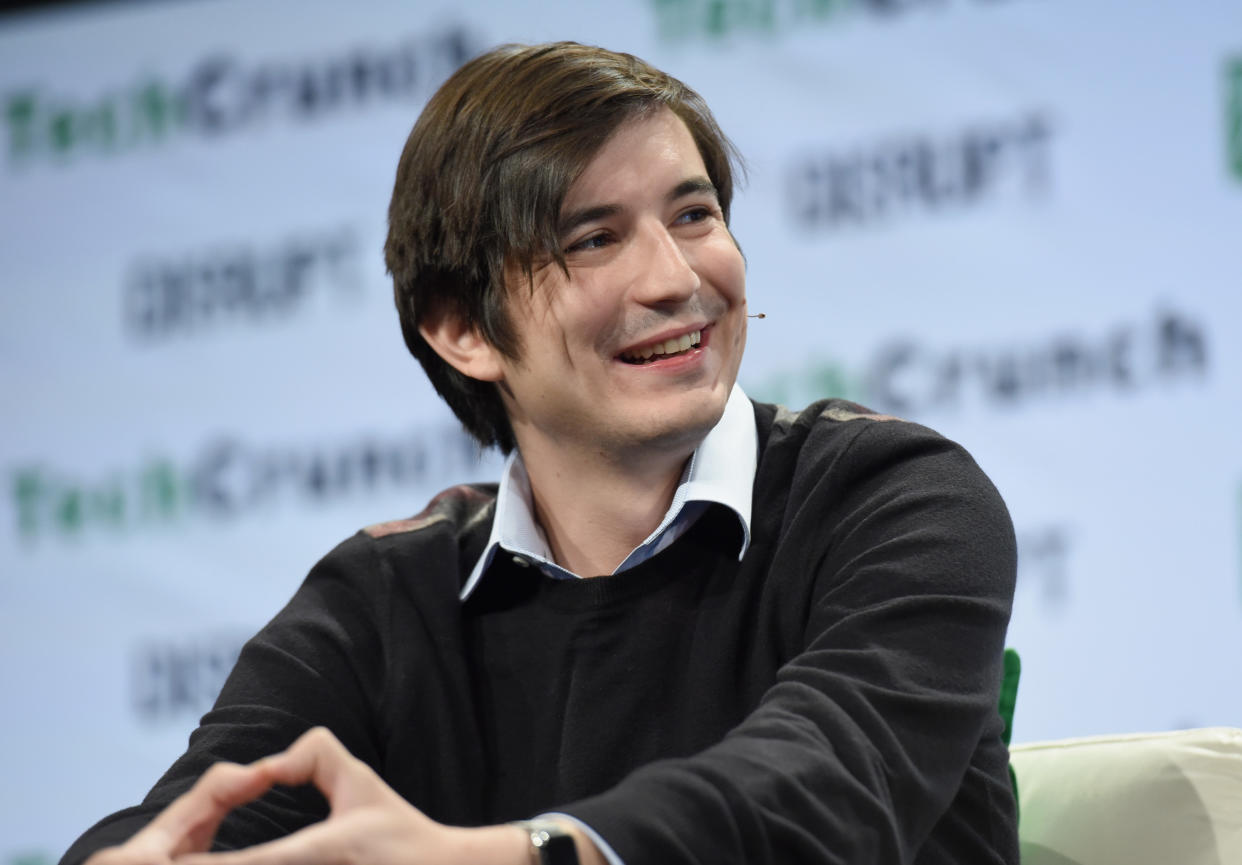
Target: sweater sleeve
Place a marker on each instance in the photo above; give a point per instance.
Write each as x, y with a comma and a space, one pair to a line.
316, 663
876, 727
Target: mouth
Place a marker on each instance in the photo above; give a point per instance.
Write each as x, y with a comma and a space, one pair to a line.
663, 349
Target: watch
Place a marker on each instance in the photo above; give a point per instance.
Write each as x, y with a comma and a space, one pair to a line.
550, 844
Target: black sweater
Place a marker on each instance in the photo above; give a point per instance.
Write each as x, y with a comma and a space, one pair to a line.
829, 699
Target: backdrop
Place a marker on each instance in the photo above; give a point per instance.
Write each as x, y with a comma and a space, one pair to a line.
1016, 221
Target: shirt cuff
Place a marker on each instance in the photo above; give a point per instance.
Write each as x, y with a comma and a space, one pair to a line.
604, 848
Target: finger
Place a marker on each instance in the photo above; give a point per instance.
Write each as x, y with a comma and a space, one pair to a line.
317, 844
190, 822
318, 757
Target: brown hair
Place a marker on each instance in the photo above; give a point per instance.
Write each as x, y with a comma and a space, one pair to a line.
481, 183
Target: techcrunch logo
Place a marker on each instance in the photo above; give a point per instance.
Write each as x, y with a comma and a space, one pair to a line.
31, 858
223, 94
820, 378
711, 19
1233, 116
910, 378
229, 478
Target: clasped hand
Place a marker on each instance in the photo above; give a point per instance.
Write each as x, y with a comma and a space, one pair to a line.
369, 822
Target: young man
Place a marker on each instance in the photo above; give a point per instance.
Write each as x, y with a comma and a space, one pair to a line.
685, 628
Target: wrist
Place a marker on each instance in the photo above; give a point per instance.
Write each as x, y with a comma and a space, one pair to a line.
548, 836
551, 842
502, 844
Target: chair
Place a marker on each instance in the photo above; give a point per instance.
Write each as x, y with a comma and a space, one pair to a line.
1142, 799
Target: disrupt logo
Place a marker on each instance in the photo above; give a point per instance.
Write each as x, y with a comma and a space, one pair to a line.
907, 377
921, 173
189, 293
223, 94
230, 478
1233, 115
712, 19
1043, 563
173, 679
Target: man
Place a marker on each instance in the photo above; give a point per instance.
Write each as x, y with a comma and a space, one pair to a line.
685, 628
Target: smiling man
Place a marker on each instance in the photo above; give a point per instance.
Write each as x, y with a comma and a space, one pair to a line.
685, 627
628, 350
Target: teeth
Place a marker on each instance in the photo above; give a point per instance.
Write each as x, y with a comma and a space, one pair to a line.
669, 346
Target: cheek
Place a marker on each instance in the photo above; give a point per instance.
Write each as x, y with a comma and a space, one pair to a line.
579, 329
594, 321
553, 320
723, 265
740, 345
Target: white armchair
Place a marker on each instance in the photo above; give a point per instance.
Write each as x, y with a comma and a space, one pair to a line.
1141, 799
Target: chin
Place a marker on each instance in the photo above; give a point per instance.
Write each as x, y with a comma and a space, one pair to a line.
685, 429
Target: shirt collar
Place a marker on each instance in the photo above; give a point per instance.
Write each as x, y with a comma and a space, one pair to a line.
721, 470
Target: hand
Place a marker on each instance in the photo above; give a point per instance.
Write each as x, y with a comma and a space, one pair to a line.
189, 823
369, 822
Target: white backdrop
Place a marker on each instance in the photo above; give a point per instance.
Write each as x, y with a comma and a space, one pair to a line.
1017, 221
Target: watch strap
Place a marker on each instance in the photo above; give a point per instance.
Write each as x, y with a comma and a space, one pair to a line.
550, 843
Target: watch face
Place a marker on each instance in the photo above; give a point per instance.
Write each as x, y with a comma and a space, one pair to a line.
559, 850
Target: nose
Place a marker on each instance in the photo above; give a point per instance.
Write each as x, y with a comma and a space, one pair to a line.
666, 275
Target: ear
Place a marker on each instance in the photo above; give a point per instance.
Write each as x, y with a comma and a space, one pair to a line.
462, 347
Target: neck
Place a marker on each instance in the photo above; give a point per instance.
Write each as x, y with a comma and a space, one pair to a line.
594, 511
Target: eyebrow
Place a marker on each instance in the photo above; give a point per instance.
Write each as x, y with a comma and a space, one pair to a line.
694, 186
574, 218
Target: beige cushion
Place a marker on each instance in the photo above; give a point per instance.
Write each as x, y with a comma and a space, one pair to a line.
1141, 799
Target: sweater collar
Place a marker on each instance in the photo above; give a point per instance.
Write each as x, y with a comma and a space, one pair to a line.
721, 471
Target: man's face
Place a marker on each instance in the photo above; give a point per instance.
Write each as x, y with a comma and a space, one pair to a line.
638, 347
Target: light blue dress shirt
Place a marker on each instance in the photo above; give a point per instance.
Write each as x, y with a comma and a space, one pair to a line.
721, 470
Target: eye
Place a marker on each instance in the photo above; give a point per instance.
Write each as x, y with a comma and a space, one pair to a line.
694, 214
591, 241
